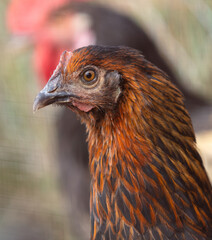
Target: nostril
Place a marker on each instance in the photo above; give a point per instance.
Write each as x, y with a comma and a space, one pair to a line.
52, 88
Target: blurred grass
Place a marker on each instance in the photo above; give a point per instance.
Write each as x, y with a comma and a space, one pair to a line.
28, 177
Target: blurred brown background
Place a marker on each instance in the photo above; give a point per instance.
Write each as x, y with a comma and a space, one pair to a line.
31, 203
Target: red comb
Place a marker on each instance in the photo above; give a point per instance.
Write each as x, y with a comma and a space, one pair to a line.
27, 16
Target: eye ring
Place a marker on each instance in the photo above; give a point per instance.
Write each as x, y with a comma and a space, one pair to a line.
89, 75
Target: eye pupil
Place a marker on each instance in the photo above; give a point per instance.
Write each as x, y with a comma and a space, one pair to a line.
89, 75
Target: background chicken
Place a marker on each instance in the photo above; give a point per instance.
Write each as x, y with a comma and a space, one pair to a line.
147, 178
48, 32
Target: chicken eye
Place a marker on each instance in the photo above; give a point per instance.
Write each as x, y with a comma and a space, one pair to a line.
89, 75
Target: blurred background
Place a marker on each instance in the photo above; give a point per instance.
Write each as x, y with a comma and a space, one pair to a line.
35, 202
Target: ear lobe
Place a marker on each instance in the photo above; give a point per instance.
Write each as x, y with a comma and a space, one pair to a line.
113, 82
113, 76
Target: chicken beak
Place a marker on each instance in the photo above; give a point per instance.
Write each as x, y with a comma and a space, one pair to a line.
54, 91
51, 94
45, 98
42, 100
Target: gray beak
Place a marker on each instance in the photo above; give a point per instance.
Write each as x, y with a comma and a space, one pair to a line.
51, 94
45, 98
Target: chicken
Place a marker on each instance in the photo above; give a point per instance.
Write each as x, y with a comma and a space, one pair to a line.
147, 177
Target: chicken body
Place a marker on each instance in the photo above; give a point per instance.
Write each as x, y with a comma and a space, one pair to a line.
147, 178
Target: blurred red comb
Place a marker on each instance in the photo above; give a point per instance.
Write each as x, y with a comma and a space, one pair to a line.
27, 16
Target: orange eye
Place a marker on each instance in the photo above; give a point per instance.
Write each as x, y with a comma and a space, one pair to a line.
89, 75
